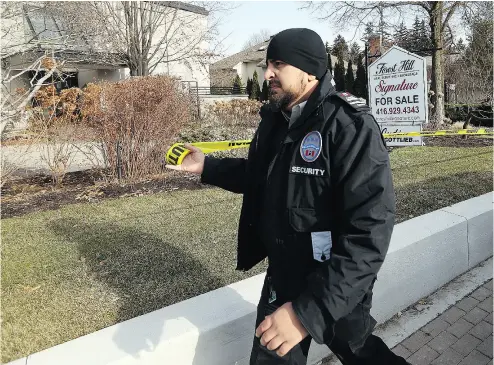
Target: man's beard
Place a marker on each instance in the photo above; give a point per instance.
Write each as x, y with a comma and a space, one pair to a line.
279, 101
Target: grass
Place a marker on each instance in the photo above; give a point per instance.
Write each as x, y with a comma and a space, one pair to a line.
429, 178
84, 267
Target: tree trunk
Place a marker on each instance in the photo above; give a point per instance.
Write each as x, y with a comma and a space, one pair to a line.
140, 70
437, 77
143, 66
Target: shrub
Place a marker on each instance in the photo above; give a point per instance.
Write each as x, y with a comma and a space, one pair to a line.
231, 120
55, 105
241, 113
90, 104
237, 85
248, 88
264, 92
456, 113
136, 120
57, 134
256, 90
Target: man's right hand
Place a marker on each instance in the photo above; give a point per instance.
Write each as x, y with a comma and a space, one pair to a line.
193, 162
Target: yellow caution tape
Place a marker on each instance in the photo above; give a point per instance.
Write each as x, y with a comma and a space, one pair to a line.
176, 154
438, 133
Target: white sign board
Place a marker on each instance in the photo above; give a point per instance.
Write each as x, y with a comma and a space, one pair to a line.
401, 128
398, 87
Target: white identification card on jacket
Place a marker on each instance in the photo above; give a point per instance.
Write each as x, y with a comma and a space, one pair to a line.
321, 245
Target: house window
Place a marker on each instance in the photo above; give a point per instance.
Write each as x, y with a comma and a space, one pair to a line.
68, 80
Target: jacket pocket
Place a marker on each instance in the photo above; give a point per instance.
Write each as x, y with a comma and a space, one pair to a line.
321, 245
307, 220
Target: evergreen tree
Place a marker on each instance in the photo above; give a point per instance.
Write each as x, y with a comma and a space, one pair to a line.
401, 38
460, 46
383, 30
330, 61
416, 41
256, 90
340, 47
339, 74
354, 52
479, 52
360, 84
425, 37
369, 29
349, 77
265, 91
237, 85
248, 88
328, 48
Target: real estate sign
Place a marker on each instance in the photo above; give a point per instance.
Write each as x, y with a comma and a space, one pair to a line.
402, 128
398, 88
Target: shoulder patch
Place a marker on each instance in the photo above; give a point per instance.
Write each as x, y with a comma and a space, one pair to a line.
354, 101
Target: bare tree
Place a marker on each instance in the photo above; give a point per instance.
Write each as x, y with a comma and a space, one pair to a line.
470, 70
24, 54
140, 35
438, 15
146, 34
256, 38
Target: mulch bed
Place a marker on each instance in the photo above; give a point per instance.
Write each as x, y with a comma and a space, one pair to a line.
458, 141
37, 193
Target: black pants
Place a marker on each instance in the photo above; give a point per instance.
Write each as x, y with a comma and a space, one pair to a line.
354, 343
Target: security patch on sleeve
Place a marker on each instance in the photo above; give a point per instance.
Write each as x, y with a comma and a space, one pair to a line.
354, 101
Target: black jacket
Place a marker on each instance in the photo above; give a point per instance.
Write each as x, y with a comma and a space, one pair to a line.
344, 198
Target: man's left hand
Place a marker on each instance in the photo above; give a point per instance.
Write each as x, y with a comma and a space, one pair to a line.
281, 330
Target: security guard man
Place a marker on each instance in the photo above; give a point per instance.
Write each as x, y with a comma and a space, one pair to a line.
318, 201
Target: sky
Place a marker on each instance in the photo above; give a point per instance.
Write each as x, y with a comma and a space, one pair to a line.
250, 16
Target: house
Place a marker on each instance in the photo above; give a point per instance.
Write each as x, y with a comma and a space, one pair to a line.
244, 64
29, 32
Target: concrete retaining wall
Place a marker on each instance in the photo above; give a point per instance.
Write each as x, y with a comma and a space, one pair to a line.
216, 328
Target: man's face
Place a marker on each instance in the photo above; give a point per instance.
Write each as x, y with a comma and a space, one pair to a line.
286, 83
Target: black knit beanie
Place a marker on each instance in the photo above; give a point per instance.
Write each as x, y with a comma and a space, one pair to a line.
301, 48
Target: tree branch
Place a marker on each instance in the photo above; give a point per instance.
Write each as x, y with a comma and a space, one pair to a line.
449, 14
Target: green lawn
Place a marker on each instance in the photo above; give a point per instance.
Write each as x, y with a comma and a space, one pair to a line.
84, 267
429, 178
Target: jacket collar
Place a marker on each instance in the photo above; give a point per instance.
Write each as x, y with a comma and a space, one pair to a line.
322, 91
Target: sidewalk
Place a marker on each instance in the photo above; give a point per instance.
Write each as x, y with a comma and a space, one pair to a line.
462, 335
31, 159
453, 326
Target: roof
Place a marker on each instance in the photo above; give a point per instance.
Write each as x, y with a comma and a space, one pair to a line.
48, 29
255, 53
45, 27
184, 6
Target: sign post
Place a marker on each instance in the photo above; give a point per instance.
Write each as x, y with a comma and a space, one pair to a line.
398, 94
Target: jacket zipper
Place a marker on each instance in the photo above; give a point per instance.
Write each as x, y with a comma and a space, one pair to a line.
271, 165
